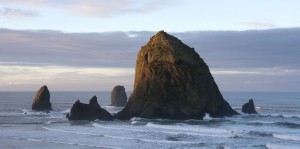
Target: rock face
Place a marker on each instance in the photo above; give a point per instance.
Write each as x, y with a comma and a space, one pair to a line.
118, 96
91, 111
41, 101
249, 107
172, 81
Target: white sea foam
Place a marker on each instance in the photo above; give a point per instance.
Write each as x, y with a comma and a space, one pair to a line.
121, 128
83, 144
280, 146
112, 109
195, 130
207, 117
261, 122
63, 142
135, 120
32, 112
69, 131
263, 108
34, 127
284, 115
183, 127
35, 140
150, 140
117, 128
168, 141
287, 137
65, 111
49, 122
28, 139
144, 140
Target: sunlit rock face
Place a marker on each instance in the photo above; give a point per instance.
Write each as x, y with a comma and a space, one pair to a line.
172, 81
41, 102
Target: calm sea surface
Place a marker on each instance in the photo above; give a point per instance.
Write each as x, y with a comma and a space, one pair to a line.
277, 126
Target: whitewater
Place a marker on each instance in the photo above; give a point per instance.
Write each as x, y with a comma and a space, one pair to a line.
277, 126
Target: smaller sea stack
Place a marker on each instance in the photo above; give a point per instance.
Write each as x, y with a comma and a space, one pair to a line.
91, 111
41, 101
249, 107
118, 96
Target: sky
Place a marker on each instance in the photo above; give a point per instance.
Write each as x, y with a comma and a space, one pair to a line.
92, 45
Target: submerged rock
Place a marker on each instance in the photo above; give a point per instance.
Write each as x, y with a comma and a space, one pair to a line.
41, 101
172, 81
91, 111
249, 107
118, 96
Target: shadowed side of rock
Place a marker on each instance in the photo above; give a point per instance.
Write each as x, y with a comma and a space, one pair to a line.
118, 96
172, 81
91, 111
41, 101
249, 107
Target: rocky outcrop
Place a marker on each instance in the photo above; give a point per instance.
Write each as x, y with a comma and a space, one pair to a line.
118, 96
41, 101
91, 111
249, 107
172, 81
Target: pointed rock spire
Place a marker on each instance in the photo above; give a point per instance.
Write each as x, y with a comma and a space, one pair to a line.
172, 81
41, 101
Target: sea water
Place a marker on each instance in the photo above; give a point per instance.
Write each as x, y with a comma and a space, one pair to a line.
276, 126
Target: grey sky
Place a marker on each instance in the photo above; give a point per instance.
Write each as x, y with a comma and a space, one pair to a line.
254, 60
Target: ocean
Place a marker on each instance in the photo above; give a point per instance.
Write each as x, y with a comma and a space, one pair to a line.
277, 126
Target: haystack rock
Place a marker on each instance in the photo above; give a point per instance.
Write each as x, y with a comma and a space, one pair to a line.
249, 107
91, 111
172, 81
118, 96
41, 101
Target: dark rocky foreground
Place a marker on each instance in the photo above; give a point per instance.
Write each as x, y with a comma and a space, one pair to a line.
41, 101
172, 81
249, 107
91, 111
118, 96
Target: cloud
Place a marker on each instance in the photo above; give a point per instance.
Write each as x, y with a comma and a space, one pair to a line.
78, 61
65, 78
12, 13
276, 48
113, 49
247, 49
99, 8
260, 25
256, 71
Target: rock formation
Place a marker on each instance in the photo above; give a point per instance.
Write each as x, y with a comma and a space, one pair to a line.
91, 111
41, 101
249, 107
118, 96
172, 81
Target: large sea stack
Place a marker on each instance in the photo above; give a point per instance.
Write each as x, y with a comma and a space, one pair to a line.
41, 101
91, 111
118, 96
172, 81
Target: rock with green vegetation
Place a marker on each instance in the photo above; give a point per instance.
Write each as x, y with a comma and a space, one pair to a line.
172, 81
